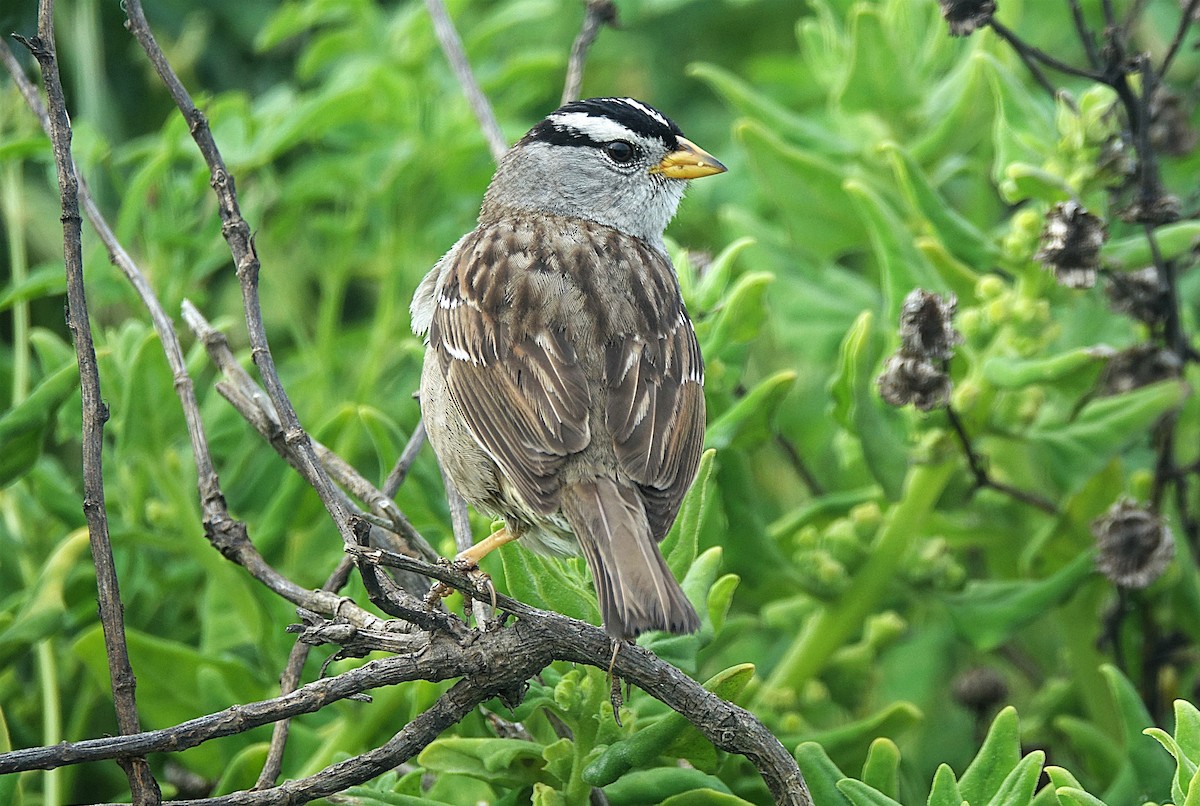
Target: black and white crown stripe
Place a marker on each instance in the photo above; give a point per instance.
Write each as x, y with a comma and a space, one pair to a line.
596, 121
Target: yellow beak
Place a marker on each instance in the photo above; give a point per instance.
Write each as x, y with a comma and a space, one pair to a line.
689, 161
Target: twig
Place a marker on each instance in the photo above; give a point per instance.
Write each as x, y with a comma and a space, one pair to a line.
450, 708
494, 663
452, 47
1185, 22
1085, 34
227, 534
253, 404
1029, 52
1110, 16
233, 720
727, 726
984, 479
212, 501
460, 522
597, 14
241, 244
799, 465
142, 785
290, 680
396, 533
391, 485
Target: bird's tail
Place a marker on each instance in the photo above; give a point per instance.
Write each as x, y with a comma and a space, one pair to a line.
633, 583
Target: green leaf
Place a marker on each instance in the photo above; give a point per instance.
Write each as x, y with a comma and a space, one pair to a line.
560, 759
891, 720
242, 771
23, 428
737, 320
1079, 367
881, 770
959, 235
1018, 787
43, 613
544, 795
673, 733
901, 267
999, 755
878, 77
1146, 771
1069, 796
48, 281
791, 178
945, 791
1060, 777
749, 421
705, 797
549, 583
679, 546
821, 775
989, 612
1133, 253
720, 598
1185, 768
858, 408
651, 787
1074, 451
504, 762
365, 796
1187, 729
715, 279
861, 794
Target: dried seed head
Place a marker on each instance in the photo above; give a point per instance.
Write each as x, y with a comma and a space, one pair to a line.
1135, 546
1171, 129
980, 689
967, 16
1139, 294
1156, 207
1138, 366
926, 325
1070, 245
912, 379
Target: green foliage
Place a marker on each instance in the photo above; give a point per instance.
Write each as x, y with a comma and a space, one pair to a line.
848, 570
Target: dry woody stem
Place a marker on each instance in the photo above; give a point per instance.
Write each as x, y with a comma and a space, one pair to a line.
95, 413
427, 643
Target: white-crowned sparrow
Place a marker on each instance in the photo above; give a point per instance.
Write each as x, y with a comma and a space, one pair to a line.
562, 387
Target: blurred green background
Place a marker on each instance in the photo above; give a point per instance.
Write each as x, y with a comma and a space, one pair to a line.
889, 608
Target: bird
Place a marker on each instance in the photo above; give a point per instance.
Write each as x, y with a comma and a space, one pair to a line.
562, 386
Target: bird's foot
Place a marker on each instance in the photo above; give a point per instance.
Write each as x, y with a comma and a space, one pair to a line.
464, 563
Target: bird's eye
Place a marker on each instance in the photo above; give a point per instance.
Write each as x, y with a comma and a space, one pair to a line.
620, 151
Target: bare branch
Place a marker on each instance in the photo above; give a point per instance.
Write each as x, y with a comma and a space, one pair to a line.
241, 244
598, 13
984, 479
290, 680
452, 47
256, 407
235, 719
403, 464
142, 785
495, 663
1185, 23
212, 500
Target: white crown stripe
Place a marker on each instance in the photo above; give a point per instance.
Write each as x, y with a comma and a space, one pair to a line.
641, 107
599, 129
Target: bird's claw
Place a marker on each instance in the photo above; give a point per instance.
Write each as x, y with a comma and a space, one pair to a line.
481, 581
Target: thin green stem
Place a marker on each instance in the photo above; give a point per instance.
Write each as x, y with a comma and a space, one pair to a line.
13, 205
836, 624
52, 732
